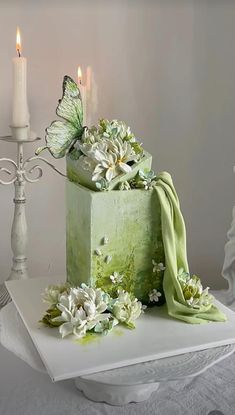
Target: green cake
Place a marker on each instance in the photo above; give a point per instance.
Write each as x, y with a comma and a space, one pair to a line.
114, 233
114, 240
125, 233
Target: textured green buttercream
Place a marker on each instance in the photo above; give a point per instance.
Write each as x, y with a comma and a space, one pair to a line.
131, 222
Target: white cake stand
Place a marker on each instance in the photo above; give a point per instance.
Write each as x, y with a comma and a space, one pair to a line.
133, 383
120, 386
136, 383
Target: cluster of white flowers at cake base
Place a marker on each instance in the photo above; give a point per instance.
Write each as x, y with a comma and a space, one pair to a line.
77, 310
108, 150
158, 267
126, 308
194, 294
154, 296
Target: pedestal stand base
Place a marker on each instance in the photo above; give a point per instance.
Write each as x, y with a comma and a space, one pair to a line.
117, 395
137, 382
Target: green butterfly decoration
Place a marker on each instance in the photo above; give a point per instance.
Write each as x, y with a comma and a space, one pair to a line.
62, 134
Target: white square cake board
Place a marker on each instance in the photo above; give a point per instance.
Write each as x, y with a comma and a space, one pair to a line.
156, 336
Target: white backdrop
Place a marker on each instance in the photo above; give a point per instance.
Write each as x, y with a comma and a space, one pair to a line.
167, 68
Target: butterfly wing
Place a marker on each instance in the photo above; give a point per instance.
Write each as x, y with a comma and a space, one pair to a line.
70, 105
61, 135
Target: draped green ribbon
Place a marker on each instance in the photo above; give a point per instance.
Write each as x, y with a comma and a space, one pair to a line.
174, 240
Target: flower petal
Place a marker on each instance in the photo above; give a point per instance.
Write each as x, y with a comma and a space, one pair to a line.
66, 329
124, 167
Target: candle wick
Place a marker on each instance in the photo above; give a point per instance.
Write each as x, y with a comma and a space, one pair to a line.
19, 54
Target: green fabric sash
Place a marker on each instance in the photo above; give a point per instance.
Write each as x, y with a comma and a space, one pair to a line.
174, 240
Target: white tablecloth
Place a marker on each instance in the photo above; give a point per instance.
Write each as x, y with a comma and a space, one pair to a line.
25, 391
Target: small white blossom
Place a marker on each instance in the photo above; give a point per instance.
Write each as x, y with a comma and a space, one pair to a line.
143, 308
124, 186
108, 259
105, 240
154, 295
158, 267
116, 278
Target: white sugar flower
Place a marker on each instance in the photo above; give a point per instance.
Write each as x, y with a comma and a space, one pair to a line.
87, 163
112, 159
94, 295
108, 150
113, 129
73, 324
81, 309
52, 293
154, 295
126, 309
116, 278
116, 128
158, 267
194, 294
124, 153
73, 319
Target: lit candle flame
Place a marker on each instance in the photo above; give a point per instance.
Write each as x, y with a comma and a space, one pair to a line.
18, 42
79, 75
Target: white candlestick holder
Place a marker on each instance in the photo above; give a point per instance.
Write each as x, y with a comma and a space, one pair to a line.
20, 173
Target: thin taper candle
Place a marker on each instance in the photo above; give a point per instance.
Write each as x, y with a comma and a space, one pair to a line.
20, 112
82, 88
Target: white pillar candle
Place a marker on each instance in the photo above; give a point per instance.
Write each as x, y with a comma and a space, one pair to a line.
82, 88
20, 112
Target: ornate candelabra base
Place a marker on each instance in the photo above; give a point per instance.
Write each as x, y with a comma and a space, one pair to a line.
19, 235
4, 296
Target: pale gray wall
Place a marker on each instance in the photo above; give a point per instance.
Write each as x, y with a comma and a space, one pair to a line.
168, 69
